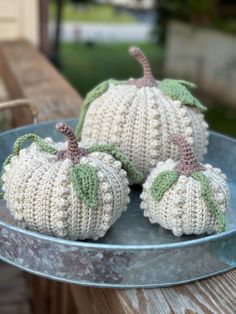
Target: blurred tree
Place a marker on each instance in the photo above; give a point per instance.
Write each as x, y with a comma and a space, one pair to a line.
80, 1
212, 13
56, 41
55, 58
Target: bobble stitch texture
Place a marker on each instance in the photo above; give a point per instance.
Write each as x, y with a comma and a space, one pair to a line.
139, 115
185, 197
67, 192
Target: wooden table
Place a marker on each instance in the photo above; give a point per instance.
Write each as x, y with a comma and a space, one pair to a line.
26, 73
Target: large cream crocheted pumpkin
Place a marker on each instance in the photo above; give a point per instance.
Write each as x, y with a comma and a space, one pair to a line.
65, 191
139, 115
186, 197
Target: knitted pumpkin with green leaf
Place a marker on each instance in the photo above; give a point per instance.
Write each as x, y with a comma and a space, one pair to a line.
139, 115
186, 197
66, 191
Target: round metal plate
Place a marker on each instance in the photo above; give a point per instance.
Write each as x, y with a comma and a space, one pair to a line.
134, 253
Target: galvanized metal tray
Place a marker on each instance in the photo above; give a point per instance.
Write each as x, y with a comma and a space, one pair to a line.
134, 253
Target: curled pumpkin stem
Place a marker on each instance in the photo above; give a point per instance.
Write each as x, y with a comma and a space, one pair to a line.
73, 152
147, 79
188, 164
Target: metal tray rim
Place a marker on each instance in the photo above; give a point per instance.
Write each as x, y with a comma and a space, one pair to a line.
117, 286
210, 238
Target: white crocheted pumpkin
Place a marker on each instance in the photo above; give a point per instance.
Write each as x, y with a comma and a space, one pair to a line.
65, 191
186, 197
139, 115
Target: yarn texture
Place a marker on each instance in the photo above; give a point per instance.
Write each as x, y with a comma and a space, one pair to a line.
133, 174
162, 183
178, 90
207, 196
139, 116
65, 191
184, 201
17, 147
84, 181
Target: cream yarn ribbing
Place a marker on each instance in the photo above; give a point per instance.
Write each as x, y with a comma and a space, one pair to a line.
139, 115
140, 121
40, 196
182, 208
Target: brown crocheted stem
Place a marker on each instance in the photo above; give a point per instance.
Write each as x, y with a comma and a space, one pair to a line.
147, 79
73, 152
188, 163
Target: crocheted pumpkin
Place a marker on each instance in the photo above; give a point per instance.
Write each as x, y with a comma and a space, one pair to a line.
65, 191
139, 115
186, 197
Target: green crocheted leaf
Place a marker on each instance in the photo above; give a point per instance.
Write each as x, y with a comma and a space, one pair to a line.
207, 196
162, 183
133, 174
85, 183
91, 96
178, 90
18, 145
36, 139
186, 83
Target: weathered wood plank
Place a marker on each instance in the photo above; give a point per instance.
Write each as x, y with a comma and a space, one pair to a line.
91, 300
107, 301
50, 297
27, 74
23, 308
14, 292
216, 295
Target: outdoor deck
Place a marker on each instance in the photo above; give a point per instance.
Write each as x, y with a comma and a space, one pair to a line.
27, 74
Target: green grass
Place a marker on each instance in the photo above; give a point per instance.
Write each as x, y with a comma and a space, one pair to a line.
222, 119
92, 13
85, 66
